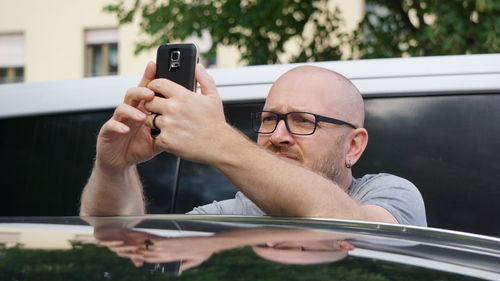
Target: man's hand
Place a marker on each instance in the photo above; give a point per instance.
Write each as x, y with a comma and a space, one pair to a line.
114, 187
191, 124
124, 242
125, 140
192, 251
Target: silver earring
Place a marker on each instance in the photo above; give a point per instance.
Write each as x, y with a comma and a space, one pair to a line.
349, 164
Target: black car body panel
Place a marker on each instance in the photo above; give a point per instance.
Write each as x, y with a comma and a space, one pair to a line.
378, 251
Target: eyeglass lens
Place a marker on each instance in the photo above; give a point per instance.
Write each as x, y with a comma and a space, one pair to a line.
298, 122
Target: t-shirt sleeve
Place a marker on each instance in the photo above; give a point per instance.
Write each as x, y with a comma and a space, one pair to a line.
397, 195
240, 205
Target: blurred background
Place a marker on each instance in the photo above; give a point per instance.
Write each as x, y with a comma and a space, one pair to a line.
60, 39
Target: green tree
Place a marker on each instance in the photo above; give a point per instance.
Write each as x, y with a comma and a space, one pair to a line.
261, 29
392, 28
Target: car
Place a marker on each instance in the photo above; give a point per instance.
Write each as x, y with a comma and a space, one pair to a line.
202, 247
431, 120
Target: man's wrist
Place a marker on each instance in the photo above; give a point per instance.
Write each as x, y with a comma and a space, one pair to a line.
113, 173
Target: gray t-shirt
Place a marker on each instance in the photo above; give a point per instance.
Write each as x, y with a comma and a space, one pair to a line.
397, 195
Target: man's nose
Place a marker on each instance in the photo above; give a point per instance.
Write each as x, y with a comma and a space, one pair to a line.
281, 136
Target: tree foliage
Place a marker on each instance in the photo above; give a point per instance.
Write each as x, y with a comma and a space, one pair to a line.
261, 29
91, 262
425, 27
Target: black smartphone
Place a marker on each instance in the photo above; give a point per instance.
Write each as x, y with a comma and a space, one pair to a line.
177, 63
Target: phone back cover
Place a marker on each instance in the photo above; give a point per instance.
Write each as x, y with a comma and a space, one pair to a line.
184, 74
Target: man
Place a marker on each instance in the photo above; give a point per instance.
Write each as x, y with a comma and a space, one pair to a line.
300, 167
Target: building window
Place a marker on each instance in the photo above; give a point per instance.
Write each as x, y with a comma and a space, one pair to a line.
11, 75
11, 58
101, 52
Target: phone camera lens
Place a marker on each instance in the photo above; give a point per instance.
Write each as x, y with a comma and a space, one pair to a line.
175, 55
175, 62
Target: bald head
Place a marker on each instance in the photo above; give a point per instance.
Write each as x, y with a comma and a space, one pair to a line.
304, 252
318, 90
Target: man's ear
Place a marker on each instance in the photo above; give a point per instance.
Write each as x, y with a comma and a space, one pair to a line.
357, 141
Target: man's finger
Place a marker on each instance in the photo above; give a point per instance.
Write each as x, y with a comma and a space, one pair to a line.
113, 127
134, 96
129, 115
137, 261
207, 83
157, 105
153, 258
129, 255
187, 264
124, 248
167, 88
149, 74
152, 120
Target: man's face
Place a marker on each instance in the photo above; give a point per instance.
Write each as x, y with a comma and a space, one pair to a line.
324, 151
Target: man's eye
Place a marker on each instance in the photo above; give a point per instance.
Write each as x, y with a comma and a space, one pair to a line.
304, 120
268, 118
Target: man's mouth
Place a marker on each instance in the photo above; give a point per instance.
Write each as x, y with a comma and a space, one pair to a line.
287, 156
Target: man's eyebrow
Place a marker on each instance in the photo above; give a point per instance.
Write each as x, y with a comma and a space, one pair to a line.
289, 109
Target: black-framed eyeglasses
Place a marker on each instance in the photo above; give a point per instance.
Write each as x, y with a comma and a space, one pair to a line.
297, 123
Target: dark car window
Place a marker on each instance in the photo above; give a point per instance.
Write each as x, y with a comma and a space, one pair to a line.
448, 147
45, 161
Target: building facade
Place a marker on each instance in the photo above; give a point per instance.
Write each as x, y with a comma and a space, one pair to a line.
60, 39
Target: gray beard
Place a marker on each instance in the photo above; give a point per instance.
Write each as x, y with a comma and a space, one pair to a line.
329, 167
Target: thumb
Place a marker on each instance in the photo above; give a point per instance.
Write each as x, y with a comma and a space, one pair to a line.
207, 83
149, 74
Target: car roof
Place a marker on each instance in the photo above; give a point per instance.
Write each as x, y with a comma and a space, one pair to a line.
395, 245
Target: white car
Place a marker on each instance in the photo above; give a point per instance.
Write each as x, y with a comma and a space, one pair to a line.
432, 120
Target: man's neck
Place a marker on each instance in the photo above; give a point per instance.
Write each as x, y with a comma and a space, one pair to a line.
345, 181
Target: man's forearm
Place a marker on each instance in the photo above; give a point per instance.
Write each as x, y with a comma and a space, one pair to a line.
112, 192
280, 188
